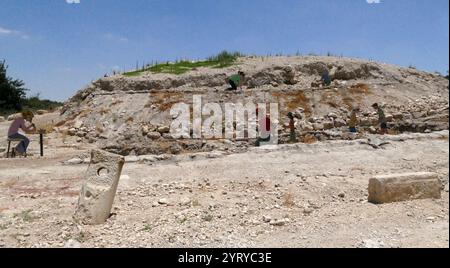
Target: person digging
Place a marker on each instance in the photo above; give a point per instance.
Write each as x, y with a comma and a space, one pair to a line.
381, 119
326, 79
236, 81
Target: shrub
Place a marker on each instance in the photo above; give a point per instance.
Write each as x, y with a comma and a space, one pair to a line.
35, 103
12, 91
13, 95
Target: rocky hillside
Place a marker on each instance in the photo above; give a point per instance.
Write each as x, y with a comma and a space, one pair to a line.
130, 115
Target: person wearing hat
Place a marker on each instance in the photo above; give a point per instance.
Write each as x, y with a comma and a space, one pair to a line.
20, 123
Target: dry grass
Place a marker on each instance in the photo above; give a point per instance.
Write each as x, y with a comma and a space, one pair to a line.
64, 135
349, 97
308, 139
288, 198
196, 203
115, 102
349, 102
164, 100
25, 215
104, 110
46, 128
333, 104
83, 114
393, 132
130, 120
61, 123
208, 217
292, 101
10, 183
330, 98
69, 119
359, 88
99, 128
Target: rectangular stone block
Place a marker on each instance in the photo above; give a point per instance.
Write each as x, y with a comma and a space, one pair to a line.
403, 187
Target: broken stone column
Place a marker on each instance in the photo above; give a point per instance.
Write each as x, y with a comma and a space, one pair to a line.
402, 187
98, 191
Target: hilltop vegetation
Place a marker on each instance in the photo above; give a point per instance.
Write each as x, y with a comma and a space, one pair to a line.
222, 60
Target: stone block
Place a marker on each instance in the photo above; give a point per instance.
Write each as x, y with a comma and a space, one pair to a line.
403, 187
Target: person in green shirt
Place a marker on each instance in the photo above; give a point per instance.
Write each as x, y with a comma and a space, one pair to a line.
381, 119
236, 80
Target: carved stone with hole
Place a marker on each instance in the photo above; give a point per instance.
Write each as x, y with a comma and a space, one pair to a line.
98, 191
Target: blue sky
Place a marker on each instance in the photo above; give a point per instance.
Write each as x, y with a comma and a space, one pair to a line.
57, 48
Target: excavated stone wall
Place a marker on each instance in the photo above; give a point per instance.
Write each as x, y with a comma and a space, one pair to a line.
131, 115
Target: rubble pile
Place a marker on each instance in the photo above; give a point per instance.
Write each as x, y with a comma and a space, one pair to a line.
131, 115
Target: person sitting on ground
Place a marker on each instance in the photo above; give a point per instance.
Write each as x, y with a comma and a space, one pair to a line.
353, 122
20, 123
236, 81
381, 119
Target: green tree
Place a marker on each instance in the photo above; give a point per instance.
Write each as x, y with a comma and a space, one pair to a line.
12, 91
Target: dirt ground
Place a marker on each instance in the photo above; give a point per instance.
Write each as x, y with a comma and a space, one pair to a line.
288, 196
